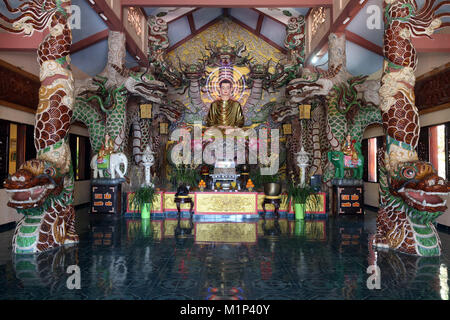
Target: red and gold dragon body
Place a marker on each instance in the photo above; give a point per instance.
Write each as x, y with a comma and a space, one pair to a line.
42, 188
412, 195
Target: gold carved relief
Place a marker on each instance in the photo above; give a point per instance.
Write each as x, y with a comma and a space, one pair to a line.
225, 232
226, 203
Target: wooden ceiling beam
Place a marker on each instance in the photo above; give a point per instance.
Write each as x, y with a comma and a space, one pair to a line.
347, 14
89, 41
19, 42
366, 44
439, 42
115, 23
228, 3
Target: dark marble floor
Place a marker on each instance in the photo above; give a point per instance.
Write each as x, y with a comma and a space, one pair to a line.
132, 259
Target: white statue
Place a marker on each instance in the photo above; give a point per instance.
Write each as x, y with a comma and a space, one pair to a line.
147, 161
115, 160
302, 162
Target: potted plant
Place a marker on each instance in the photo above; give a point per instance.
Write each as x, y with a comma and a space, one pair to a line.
143, 199
300, 195
184, 177
267, 182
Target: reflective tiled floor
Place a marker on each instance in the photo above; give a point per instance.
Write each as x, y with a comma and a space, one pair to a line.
317, 259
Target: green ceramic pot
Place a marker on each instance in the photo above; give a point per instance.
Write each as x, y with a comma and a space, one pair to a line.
299, 209
145, 211
299, 228
146, 226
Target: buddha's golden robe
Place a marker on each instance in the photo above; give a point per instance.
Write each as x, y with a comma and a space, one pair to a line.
225, 113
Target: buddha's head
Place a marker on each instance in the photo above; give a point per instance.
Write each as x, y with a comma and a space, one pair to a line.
225, 89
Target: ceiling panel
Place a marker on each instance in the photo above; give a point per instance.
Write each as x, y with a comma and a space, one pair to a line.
92, 60
274, 31
247, 16
362, 61
205, 15
178, 30
91, 23
371, 15
130, 61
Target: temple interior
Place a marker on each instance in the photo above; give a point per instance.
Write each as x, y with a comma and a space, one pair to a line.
224, 150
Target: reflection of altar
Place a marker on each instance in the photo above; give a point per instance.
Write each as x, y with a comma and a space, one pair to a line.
225, 203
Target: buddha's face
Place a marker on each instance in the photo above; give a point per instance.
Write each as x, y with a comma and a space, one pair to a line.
225, 89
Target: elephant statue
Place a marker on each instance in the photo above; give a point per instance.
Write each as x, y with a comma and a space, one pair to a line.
115, 160
337, 158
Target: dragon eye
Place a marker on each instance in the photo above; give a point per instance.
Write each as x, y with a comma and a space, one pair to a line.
409, 172
50, 171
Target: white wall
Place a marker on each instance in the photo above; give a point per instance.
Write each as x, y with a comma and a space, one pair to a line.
82, 188
371, 192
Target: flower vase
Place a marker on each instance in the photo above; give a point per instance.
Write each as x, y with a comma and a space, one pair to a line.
146, 226
299, 228
145, 211
299, 209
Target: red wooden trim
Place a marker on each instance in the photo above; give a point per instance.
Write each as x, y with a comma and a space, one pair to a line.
228, 3
366, 44
15, 42
259, 23
440, 42
191, 22
89, 41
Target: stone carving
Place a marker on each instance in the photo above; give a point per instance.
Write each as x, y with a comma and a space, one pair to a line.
42, 188
410, 190
116, 160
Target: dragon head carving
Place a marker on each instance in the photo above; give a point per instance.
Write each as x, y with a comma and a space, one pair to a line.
143, 83
419, 186
33, 184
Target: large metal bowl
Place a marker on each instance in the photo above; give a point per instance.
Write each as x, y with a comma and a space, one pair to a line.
272, 189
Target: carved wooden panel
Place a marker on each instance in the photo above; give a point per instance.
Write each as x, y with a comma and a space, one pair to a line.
434, 90
18, 87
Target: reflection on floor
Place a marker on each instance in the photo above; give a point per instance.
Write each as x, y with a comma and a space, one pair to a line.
161, 259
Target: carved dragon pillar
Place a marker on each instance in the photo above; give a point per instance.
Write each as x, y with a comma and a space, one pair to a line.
42, 188
410, 190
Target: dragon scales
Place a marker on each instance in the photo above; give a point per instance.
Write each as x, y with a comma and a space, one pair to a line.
101, 102
410, 190
42, 188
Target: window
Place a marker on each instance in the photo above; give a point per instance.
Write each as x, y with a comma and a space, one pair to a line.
372, 160
80, 148
437, 149
434, 147
16, 147
370, 148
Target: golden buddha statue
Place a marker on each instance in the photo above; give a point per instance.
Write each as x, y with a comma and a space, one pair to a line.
225, 112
